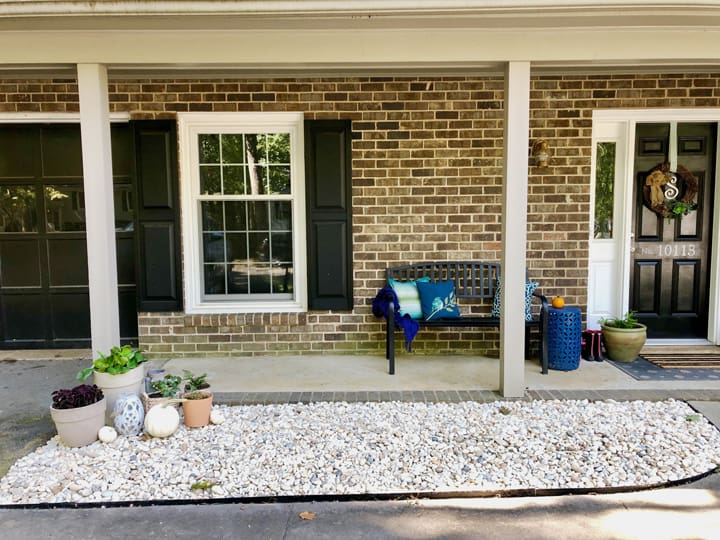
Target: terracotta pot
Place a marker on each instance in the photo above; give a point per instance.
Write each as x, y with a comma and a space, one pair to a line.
115, 385
624, 344
80, 426
197, 411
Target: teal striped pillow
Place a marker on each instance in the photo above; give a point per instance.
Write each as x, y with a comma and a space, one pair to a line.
408, 296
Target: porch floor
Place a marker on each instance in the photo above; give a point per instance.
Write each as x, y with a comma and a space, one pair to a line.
369, 373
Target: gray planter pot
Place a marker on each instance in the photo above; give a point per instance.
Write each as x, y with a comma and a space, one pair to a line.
80, 426
624, 344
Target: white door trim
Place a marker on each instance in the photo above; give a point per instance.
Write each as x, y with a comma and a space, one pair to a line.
630, 118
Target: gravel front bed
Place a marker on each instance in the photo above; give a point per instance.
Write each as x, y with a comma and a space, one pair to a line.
376, 448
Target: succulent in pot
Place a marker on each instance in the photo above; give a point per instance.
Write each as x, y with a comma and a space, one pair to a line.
78, 413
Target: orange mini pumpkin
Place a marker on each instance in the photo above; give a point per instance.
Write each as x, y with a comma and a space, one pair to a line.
558, 302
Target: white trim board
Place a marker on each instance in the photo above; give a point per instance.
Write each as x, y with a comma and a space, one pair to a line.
53, 118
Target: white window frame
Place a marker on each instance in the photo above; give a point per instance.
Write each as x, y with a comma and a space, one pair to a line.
190, 125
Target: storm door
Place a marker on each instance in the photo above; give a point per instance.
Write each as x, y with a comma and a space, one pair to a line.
674, 173
44, 299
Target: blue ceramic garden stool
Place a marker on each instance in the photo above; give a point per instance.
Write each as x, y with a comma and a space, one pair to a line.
564, 338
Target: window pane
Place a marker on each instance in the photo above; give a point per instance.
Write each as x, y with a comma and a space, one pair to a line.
281, 247
604, 189
260, 279
282, 278
18, 209
235, 215
257, 180
278, 146
209, 148
256, 151
212, 215
238, 279
258, 216
65, 208
214, 278
233, 150
213, 247
279, 180
280, 216
259, 246
233, 181
210, 180
123, 208
237, 248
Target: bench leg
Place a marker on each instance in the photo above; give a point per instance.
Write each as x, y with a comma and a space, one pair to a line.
390, 345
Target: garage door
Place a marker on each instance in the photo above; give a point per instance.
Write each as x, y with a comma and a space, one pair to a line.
44, 299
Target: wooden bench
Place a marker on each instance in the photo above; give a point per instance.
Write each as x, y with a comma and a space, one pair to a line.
475, 280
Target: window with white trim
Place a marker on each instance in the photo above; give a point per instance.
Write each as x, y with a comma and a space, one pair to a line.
243, 211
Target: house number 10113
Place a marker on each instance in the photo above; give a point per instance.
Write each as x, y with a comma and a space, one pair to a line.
671, 250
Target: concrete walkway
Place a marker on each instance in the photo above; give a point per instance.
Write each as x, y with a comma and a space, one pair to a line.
688, 511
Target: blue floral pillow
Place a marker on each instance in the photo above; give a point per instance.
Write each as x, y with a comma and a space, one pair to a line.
408, 296
530, 287
438, 300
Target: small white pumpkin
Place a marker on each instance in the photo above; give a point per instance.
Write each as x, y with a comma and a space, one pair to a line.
162, 420
216, 417
107, 434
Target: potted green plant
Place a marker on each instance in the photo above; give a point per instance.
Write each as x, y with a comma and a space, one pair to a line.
163, 391
78, 413
624, 337
195, 382
119, 372
196, 408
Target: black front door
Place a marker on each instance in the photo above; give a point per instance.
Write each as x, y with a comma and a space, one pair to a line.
674, 189
44, 299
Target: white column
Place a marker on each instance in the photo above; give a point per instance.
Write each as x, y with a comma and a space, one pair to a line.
514, 225
99, 207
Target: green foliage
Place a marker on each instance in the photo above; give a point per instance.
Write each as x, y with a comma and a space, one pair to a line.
203, 484
120, 360
167, 386
629, 320
679, 208
194, 382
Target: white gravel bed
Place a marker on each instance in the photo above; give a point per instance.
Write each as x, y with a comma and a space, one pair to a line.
375, 448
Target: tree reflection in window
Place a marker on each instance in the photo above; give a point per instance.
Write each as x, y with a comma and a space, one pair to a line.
604, 190
18, 209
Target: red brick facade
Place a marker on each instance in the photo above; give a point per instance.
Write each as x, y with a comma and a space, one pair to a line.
427, 174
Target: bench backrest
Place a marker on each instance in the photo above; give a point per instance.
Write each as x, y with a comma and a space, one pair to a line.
473, 279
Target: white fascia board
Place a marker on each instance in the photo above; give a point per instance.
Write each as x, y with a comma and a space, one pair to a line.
307, 48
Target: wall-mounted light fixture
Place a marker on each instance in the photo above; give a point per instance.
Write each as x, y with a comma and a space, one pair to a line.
541, 153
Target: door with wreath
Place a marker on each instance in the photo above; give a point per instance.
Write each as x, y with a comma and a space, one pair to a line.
672, 223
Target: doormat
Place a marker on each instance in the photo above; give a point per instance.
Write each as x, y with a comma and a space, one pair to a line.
642, 370
684, 360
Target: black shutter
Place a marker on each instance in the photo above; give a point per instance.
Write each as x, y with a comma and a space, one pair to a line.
328, 180
157, 216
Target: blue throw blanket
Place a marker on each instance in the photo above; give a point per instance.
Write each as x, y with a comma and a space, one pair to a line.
381, 308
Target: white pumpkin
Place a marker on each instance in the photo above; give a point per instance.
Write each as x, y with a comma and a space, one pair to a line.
216, 417
162, 420
107, 434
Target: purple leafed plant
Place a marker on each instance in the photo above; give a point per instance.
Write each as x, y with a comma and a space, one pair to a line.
80, 396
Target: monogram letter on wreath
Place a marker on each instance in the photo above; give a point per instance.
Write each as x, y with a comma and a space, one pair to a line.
669, 193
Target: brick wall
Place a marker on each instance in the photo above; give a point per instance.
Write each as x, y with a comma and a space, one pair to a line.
427, 158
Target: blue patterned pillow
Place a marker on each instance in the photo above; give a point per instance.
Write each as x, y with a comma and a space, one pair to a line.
530, 287
438, 300
408, 296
